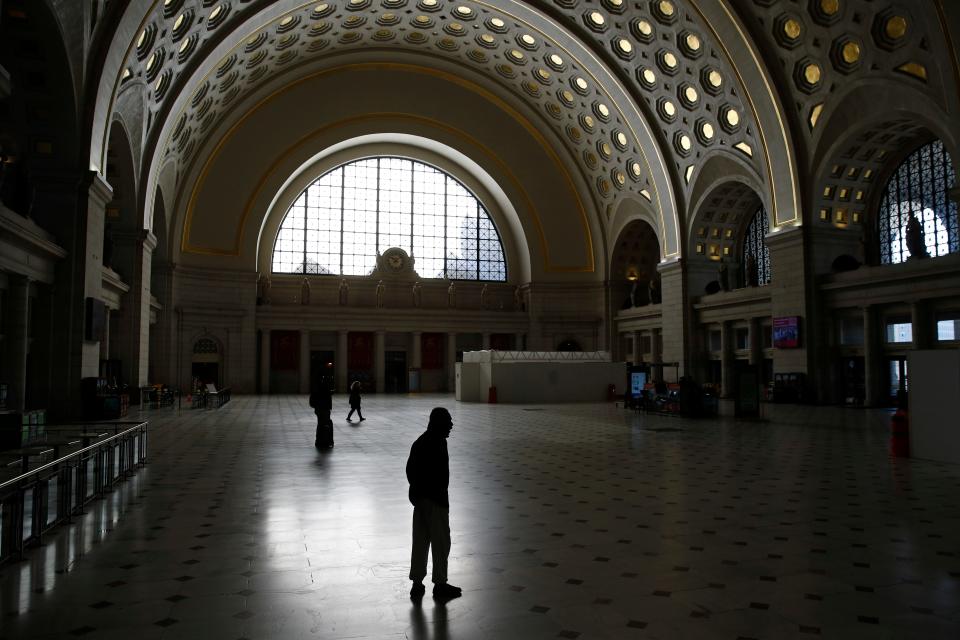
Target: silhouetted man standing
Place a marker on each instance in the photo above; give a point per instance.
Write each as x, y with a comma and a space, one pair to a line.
428, 471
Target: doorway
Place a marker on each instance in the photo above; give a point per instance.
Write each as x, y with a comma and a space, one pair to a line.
898, 382
395, 372
206, 373
853, 379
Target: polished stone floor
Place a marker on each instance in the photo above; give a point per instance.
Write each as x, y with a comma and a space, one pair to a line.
569, 521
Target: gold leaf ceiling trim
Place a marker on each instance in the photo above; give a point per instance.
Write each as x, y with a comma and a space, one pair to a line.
791, 169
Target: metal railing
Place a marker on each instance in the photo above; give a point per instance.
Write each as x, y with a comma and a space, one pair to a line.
37, 500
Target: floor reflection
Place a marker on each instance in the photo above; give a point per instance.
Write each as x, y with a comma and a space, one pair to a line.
571, 521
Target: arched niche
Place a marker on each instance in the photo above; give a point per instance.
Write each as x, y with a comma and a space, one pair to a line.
719, 223
458, 165
572, 62
121, 221
627, 210
721, 168
219, 215
206, 361
633, 265
863, 140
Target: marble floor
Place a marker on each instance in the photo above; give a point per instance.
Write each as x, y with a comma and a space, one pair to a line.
568, 521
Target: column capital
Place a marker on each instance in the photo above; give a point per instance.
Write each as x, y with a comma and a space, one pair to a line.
140, 237
670, 266
98, 188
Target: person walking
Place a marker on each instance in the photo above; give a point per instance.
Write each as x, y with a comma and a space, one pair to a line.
355, 401
428, 472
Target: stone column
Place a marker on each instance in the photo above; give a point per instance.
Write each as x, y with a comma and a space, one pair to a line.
163, 333
416, 351
17, 341
486, 341
921, 325
872, 357
416, 359
675, 314
80, 217
265, 361
727, 359
637, 355
341, 361
133, 337
656, 356
105, 343
756, 349
788, 296
379, 360
304, 361
451, 361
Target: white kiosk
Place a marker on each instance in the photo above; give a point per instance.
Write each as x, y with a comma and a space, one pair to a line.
536, 377
934, 390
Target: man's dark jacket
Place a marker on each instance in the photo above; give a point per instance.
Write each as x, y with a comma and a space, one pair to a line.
428, 468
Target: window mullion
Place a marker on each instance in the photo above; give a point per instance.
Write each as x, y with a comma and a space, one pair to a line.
477, 225
376, 239
303, 262
411, 205
446, 271
343, 188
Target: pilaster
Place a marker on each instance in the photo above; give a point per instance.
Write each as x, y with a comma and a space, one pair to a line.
451, 361
675, 315
304, 361
872, 357
416, 338
341, 361
788, 296
727, 362
78, 277
380, 360
265, 361
921, 325
133, 335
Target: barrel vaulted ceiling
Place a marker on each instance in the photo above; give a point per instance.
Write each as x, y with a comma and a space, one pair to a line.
642, 93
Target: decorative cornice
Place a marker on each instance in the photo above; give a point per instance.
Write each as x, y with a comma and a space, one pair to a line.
24, 230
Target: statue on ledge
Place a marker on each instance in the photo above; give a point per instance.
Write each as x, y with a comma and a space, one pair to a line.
653, 290
914, 237
723, 276
417, 294
344, 292
451, 295
305, 291
484, 296
381, 288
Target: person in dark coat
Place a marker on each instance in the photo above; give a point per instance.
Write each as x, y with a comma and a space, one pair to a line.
428, 471
355, 401
322, 403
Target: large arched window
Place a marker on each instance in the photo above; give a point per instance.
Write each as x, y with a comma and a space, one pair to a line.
342, 221
756, 255
920, 188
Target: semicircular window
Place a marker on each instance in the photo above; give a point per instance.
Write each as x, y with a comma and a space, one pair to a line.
339, 224
920, 189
